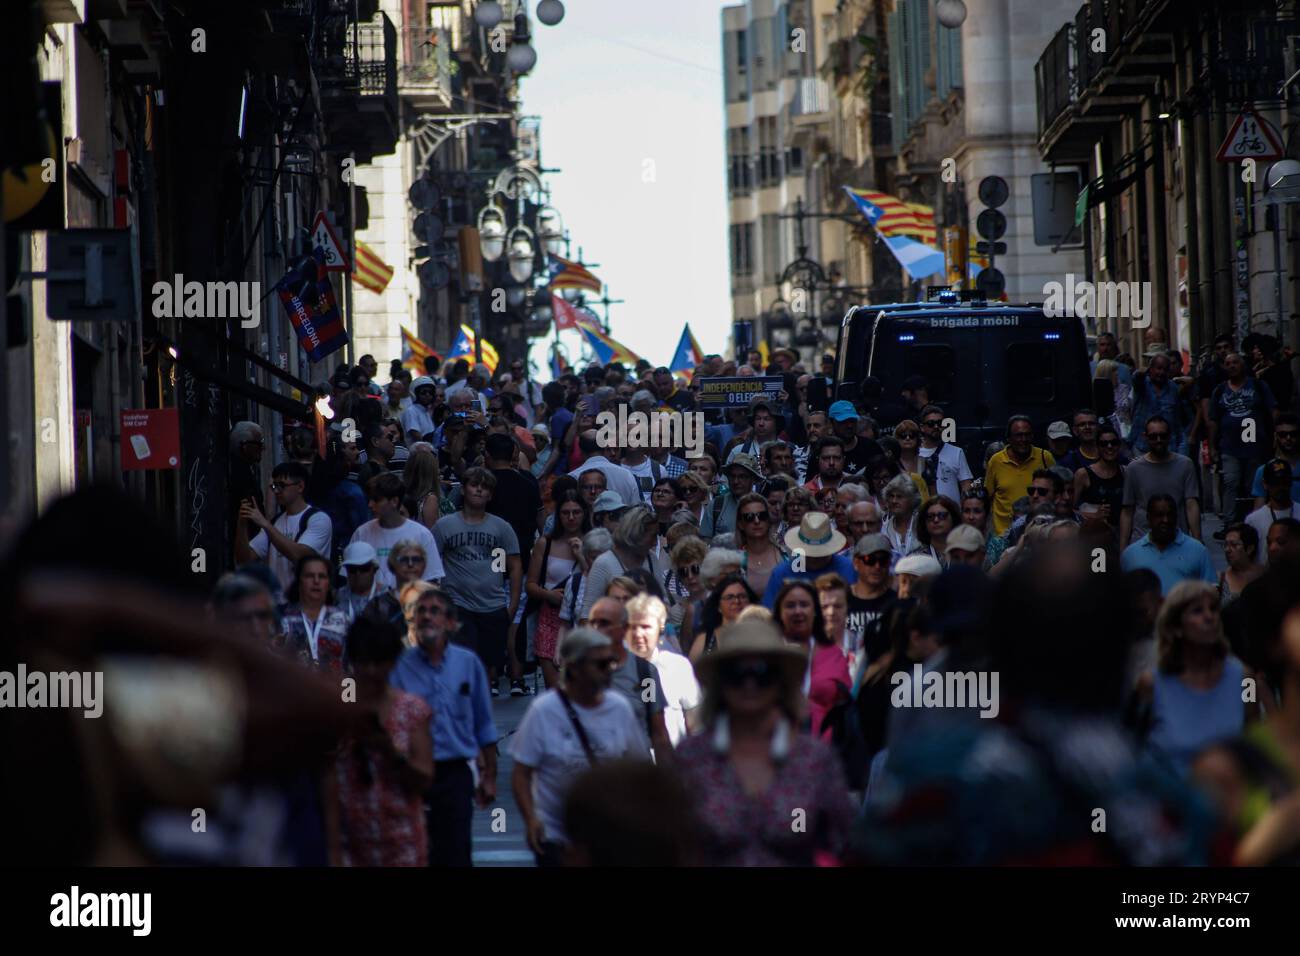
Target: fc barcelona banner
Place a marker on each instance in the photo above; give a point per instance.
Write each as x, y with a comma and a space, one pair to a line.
309, 299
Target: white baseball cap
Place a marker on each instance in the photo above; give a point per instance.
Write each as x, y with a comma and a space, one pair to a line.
358, 554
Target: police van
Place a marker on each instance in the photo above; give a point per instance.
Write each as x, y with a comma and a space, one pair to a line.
984, 362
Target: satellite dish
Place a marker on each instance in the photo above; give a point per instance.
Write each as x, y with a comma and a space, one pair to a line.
423, 194
433, 275
428, 227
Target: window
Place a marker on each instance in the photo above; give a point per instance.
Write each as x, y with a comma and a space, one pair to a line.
935, 363
1030, 374
794, 159
742, 53
742, 249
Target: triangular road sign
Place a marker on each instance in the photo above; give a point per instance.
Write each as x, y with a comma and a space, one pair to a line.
322, 234
1251, 137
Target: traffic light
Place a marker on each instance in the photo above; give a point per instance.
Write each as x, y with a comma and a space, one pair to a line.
991, 224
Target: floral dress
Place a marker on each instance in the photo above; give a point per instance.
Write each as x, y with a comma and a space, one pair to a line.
331, 638
803, 818
381, 823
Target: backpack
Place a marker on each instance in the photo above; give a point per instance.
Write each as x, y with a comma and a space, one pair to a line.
642, 675
847, 739
302, 522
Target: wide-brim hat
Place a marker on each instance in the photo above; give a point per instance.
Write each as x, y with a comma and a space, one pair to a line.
755, 639
748, 462
794, 356
815, 537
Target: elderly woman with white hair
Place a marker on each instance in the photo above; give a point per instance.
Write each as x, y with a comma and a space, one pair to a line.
567, 730
646, 620
901, 500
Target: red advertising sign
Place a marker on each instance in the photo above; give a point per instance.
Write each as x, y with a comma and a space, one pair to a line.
151, 439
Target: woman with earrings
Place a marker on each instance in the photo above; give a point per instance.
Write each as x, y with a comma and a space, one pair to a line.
766, 794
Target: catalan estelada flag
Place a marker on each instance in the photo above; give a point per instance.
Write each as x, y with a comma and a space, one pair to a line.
688, 355
308, 298
607, 350
414, 352
567, 274
893, 217
464, 348
369, 270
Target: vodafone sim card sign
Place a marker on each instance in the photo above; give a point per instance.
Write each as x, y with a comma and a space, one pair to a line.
151, 439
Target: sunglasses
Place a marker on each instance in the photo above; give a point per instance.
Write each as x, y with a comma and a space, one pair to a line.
906, 435
737, 675
689, 571
932, 423
1157, 436
877, 560
753, 517
937, 516
411, 559
1287, 434
1039, 492
1112, 443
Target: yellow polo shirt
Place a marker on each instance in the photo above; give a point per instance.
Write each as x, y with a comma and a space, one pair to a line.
1006, 482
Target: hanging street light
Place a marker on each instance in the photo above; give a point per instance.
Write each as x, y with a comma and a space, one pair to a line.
488, 14
550, 12
522, 252
550, 229
492, 233
521, 57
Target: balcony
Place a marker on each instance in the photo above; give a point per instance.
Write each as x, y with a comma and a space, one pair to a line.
358, 84
424, 73
811, 100
1054, 76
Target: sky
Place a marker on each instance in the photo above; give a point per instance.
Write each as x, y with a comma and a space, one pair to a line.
631, 105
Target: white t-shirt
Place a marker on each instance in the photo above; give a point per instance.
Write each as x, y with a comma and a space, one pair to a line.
382, 540
680, 689
317, 536
417, 419
953, 469
645, 477
1261, 519
546, 741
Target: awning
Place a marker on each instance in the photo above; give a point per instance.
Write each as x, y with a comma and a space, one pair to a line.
1114, 182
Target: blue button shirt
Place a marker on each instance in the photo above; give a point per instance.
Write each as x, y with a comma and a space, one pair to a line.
841, 564
1186, 559
457, 692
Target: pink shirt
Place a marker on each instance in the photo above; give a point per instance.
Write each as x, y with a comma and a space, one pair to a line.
830, 668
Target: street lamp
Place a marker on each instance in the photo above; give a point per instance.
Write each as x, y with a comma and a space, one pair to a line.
488, 14
950, 13
522, 253
492, 232
550, 229
550, 12
521, 57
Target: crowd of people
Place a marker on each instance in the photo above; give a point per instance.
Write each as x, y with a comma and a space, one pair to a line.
728, 632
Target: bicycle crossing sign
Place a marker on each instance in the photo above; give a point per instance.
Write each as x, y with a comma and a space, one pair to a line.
322, 234
1251, 137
